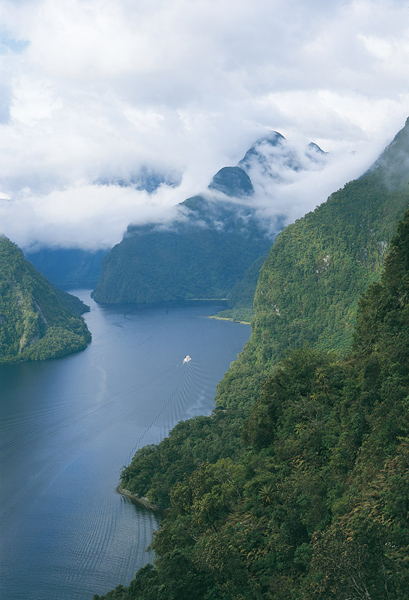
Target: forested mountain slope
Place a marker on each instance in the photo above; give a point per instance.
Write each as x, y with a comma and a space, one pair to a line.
315, 507
241, 298
69, 268
314, 504
309, 286
36, 320
214, 238
203, 255
311, 294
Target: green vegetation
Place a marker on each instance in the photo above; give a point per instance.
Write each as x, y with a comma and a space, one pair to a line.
68, 267
315, 506
212, 241
156, 468
203, 255
309, 285
297, 486
71, 303
37, 321
242, 296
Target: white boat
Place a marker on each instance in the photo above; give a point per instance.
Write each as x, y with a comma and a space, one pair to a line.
187, 359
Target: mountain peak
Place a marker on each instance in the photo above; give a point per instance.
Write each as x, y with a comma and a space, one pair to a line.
232, 181
393, 164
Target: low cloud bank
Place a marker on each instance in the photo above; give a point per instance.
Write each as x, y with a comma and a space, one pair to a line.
93, 216
95, 92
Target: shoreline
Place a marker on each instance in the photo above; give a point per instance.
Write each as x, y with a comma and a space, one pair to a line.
180, 303
228, 319
143, 502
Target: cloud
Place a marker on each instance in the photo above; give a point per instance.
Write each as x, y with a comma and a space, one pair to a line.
78, 216
95, 90
306, 190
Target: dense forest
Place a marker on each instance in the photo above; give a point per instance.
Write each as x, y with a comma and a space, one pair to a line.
309, 286
241, 298
315, 504
37, 321
296, 487
201, 256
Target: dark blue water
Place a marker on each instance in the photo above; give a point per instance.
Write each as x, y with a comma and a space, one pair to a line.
68, 427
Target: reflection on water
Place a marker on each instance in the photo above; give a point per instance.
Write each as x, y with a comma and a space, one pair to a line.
69, 426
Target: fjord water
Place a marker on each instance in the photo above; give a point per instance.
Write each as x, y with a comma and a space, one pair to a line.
67, 428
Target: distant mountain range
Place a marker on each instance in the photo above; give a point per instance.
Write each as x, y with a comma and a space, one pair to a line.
270, 159
68, 268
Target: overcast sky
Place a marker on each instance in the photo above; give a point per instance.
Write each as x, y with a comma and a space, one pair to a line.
92, 90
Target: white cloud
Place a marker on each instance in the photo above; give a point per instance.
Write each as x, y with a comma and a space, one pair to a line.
96, 89
79, 215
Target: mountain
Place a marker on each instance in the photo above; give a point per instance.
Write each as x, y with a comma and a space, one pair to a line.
232, 181
314, 504
37, 321
214, 238
273, 157
68, 267
309, 286
311, 500
201, 256
241, 298
145, 178
71, 268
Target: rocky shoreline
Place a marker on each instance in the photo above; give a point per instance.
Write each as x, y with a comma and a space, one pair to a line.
141, 501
